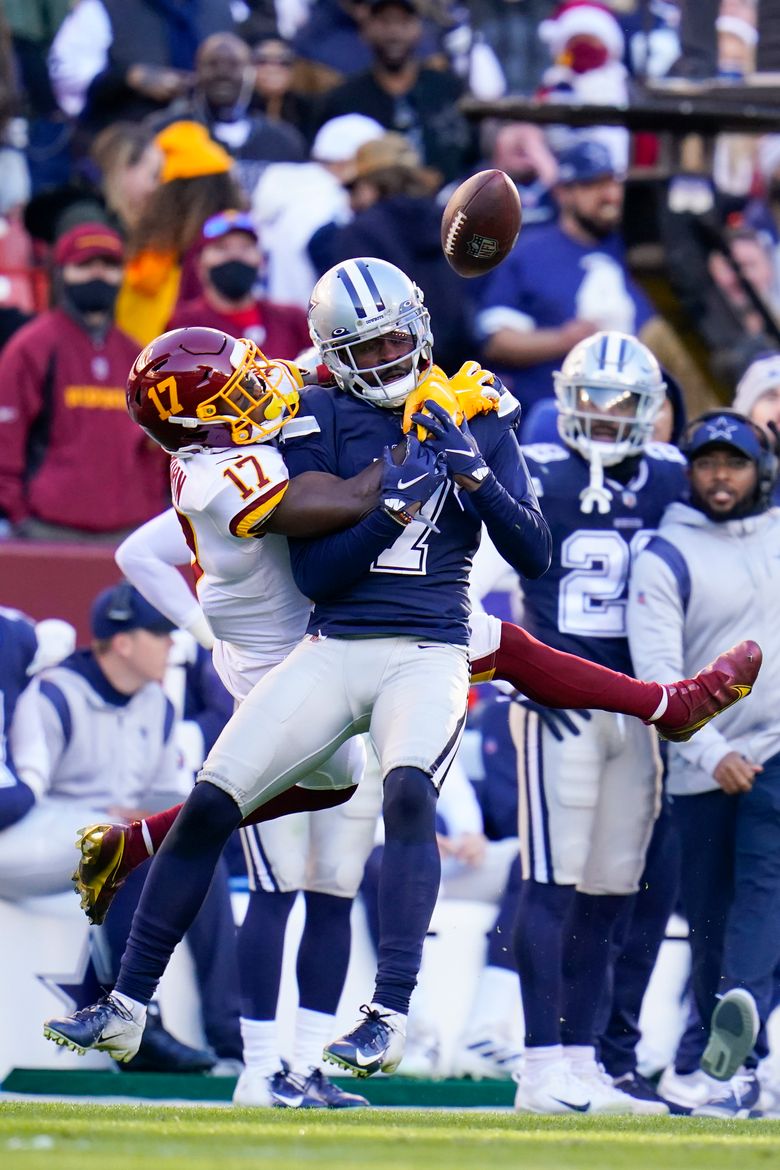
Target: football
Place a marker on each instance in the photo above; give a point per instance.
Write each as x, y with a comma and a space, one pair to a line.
481, 223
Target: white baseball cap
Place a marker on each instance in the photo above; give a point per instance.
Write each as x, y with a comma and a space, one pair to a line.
339, 139
761, 375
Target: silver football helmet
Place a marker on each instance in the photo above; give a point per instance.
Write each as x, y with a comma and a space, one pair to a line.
609, 391
360, 301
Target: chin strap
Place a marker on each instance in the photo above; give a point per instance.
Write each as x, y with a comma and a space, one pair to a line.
596, 494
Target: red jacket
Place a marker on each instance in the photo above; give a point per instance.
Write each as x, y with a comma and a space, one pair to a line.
69, 452
280, 331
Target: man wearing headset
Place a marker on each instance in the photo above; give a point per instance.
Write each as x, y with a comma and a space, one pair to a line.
713, 571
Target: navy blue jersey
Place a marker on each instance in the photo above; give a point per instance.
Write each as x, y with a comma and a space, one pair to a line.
580, 604
411, 580
18, 645
550, 278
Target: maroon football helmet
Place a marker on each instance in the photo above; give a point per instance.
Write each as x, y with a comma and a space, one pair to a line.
194, 388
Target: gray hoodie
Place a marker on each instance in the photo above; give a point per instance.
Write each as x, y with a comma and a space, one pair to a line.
696, 589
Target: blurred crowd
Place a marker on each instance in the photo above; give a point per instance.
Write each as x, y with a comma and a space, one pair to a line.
165, 164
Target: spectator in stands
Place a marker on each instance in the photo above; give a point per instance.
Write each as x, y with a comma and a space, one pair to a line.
329, 47
586, 45
111, 751
521, 151
758, 396
274, 94
733, 325
396, 218
130, 162
149, 49
72, 465
196, 182
404, 95
221, 99
229, 266
293, 200
563, 282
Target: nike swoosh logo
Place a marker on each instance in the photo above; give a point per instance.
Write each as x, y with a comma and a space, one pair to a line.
404, 484
291, 1102
576, 1108
364, 1060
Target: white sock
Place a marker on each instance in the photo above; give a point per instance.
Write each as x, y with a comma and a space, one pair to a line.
397, 1019
261, 1047
538, 1060
136, 1009
147, 836
580, 1056
495, 1003
661, 708
313, 1030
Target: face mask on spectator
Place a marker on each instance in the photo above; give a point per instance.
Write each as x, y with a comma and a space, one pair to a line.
233, 279
93, 296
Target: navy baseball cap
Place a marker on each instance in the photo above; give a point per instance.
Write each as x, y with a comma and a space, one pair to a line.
584, 162
724, 430
122, 608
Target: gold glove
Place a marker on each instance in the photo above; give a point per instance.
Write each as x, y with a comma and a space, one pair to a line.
474, 389
436, 386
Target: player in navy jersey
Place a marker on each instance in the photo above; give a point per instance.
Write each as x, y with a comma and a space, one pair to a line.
25, 647
386, 650
18, 646
588, 800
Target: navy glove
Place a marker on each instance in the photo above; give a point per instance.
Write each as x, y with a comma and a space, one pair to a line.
455, 443
558, 722
413, 481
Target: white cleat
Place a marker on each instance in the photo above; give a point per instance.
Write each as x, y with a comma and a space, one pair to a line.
554, 1089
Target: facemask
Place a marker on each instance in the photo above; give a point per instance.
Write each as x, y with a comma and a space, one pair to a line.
583, 57
233, 279
94, 296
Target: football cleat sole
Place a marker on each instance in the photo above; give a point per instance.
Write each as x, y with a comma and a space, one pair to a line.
95, 878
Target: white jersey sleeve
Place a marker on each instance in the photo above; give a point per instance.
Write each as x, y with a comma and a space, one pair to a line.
149, 558
243, 577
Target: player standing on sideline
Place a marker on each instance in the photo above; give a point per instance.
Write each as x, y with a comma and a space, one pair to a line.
683, 707
590, 786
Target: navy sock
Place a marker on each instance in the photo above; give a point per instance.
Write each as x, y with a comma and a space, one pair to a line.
323, 956
586, 962
408, 883
260, 951
500, 952
538, 941
176, 885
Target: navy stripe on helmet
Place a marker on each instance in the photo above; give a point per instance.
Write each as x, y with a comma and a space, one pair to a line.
371, 284
357, 304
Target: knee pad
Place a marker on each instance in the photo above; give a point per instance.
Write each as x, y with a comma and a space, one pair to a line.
409, 806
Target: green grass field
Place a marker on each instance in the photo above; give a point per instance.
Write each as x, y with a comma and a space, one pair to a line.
76, 1136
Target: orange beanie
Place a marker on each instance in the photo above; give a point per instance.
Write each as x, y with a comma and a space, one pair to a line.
190, 152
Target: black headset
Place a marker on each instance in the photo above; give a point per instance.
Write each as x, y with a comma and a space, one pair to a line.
767, 464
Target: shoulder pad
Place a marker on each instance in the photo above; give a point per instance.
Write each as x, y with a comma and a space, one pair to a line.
666, 452
546, 452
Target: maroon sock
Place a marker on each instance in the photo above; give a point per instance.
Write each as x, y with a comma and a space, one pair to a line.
157, 826
556, 679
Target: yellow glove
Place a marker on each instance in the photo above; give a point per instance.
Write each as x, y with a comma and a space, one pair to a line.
474, 390
436, 386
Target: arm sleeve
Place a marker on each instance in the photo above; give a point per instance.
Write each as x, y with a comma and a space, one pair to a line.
656, 636
332, 564
148, 558
507, 505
